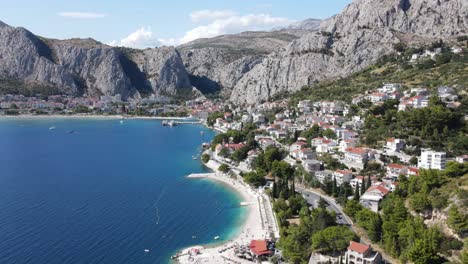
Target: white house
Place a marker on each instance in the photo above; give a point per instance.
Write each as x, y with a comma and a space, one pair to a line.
389, 88
259, 118
395, 170
297, 146
362, 254
334, 107
322, 176
265, 142
346, 144
432, 159
377, 97
311, 165
356, 155
395, 144
462, 159
323, 145
372, 197
342, 176
307, 154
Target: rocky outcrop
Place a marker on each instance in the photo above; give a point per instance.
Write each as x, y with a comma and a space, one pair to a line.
25, 57
213, 70
96, 68
163, 69
349, 42
87, 67
217, 64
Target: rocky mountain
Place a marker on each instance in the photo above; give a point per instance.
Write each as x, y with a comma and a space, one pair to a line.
217, 64
247, 68
85, 66
310, 24
351, 41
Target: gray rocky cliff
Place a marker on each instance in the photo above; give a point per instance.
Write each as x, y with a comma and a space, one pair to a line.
349, 42
213, 70
25, 57
87, 67
163, 69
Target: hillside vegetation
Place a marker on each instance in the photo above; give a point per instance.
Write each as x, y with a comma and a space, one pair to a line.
447, 69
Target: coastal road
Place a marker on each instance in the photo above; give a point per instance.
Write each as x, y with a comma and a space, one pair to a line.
312, 198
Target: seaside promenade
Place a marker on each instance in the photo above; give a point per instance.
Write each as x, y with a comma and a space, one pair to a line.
260, 223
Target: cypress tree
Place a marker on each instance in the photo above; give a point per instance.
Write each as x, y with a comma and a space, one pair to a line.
274, 192
356, 193
334, 188
363, 186
369, 182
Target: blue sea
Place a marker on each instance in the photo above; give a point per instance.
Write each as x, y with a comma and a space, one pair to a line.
106, 192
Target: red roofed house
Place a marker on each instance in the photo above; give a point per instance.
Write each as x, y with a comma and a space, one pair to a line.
372, 197
362, 254
265, 142
323, 145
342, 176
297, 146
395, 170
356, 156
233, 147
412, 171
259, 248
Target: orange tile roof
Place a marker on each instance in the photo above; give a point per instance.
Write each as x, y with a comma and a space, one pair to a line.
383, 190
356, 150
396, 166
358, 247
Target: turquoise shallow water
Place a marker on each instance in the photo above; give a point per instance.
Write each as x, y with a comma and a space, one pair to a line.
106, 192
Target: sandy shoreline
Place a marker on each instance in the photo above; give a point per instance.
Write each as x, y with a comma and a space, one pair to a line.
255, 226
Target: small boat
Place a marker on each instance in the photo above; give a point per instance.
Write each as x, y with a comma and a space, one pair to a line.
52, 128
193, 237
146, 250
71, 131
216, 237
194, 157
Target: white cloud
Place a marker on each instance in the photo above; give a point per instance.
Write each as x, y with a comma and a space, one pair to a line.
209, 15
217, 22
83, 15
235, 24
143, 38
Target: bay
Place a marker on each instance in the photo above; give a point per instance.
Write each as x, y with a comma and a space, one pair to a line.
102, 191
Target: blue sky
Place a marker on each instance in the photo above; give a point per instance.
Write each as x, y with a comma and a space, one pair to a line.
142, 23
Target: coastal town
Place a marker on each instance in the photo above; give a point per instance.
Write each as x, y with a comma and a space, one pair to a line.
321, 149
234, 132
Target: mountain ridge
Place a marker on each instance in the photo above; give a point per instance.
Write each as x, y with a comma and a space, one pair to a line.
248, 67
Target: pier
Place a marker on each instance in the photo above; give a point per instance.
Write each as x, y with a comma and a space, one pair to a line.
201, 175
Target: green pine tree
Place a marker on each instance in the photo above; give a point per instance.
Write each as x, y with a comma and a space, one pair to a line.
435, 134
445, 131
